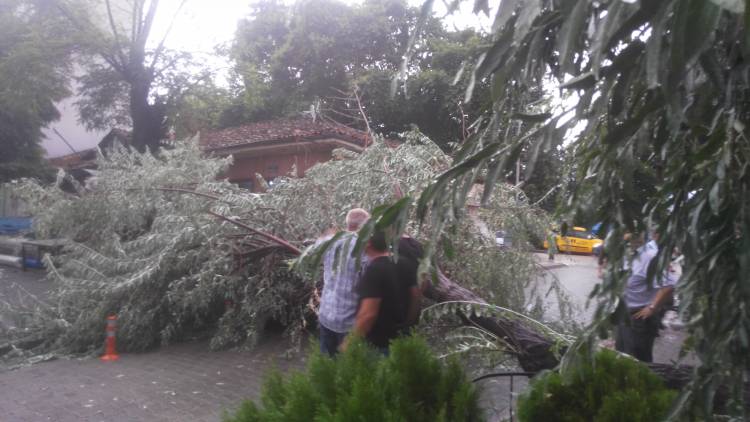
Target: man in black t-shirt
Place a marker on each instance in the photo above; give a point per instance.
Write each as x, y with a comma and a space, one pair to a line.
382, 302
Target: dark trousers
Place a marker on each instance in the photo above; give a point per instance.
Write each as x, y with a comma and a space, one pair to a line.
636, 336
330, 341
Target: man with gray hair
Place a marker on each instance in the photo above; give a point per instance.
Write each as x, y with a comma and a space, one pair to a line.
338, 302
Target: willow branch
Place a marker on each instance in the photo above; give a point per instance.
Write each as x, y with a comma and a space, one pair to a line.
288, 246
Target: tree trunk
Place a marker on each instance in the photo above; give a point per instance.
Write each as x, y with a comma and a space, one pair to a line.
533, 350
147, 118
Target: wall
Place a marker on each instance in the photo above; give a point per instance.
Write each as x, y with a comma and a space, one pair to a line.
272, 165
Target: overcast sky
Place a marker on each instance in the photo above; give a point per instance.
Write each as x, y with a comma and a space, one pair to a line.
200, 26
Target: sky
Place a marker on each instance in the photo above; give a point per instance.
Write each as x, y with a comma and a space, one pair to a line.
200, 26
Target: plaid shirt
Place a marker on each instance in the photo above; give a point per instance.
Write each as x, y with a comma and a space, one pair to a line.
338, 303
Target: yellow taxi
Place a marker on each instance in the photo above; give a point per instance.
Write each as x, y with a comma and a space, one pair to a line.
577, 240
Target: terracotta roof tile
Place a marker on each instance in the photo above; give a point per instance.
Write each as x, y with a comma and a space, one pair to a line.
278, 131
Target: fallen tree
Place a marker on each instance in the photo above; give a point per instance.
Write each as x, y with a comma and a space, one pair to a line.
175, 252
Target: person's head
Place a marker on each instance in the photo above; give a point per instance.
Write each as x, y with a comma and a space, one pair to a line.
654, 233
355, 218
377, 244
635, 240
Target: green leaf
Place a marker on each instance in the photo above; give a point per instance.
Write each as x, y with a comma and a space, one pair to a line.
604, 28
582, 81
450, 251
489, 182
529, 12
734, 6
570, 32
481, 6
694, 24
391, 214
495, 56
504, 14
712, 68
532, 118
654, 62
714, 198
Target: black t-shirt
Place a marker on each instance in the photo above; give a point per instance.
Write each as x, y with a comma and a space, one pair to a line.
380, 280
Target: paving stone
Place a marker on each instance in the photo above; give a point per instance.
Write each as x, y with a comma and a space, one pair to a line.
176, 383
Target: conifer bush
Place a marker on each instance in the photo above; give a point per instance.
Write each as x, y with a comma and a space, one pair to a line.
410, 384
614, 388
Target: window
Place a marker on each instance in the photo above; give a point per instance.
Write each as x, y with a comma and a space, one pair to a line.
245, 184
272, 172
581, 234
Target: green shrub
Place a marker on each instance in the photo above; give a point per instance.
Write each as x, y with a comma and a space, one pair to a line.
614, 388
411, 384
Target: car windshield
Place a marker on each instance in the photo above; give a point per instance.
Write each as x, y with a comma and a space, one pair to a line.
581, 234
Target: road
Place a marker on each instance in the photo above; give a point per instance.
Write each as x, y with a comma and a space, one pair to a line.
577, 275
188, 382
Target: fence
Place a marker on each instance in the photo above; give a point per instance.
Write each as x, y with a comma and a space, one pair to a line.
11, 206
500, 393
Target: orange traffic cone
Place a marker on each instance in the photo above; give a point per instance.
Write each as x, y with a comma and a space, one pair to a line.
110, 353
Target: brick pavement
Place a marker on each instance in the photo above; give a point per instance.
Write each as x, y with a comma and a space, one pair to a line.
184, 382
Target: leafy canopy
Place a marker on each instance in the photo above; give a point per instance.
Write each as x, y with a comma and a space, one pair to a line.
320, 51
129, 79
35, 49
660, 89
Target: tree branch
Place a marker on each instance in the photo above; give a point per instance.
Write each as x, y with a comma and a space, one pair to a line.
288, 246
118, 42
144, 26
160, 48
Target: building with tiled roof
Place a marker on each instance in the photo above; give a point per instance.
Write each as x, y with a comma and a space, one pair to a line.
78, 163
273, 148
270, 148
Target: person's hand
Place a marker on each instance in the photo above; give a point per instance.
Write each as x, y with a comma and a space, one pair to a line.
344, 344
644, 313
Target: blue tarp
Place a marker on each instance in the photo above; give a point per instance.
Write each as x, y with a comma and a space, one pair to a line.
14, 225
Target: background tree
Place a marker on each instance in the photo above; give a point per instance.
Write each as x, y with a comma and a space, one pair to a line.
317, 50
35, 50
123, 77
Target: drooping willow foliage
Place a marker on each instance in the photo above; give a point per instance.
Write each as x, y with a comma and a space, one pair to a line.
146, 244
660, 93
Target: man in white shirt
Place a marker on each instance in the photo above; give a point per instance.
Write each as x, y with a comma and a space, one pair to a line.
639, 328
338, 302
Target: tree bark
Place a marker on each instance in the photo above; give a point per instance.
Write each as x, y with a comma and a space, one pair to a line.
147, 118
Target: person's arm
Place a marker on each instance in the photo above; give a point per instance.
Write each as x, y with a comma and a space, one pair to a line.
366, 316
661, 296
365, 320
415, 296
